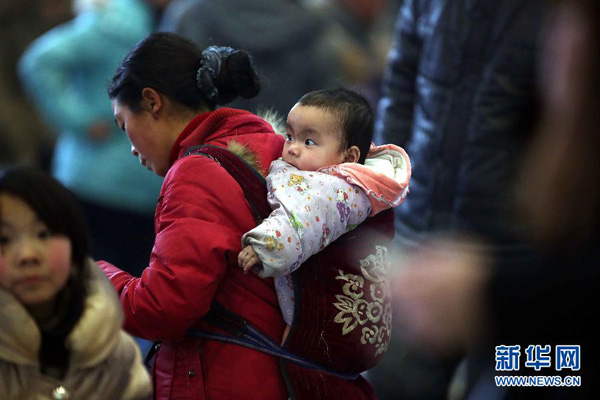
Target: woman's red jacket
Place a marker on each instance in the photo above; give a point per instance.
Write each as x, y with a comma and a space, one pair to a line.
200, 218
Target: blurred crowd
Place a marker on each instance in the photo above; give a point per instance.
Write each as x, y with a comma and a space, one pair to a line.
345, 41
495, 102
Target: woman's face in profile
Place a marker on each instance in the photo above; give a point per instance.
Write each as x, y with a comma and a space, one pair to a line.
148, 143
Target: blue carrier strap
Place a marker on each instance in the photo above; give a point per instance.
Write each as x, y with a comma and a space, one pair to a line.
240, 332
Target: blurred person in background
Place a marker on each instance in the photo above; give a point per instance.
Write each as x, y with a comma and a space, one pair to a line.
456, 296
359, 32
159, 7
284, 37
24, 139
66, 72
459, 96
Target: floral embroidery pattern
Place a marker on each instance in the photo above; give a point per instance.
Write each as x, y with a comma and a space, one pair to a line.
365, 301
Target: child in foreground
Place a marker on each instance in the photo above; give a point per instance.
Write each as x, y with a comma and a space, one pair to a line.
61, 320
329, 179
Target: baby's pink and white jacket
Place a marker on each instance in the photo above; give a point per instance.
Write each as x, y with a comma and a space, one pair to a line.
313, 208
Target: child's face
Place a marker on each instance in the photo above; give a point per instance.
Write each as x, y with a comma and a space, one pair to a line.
34, 264
313, 139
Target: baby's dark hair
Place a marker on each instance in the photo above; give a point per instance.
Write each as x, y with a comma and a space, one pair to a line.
174, 66
57, 208
354, 112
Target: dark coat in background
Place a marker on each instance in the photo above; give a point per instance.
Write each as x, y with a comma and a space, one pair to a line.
460, 97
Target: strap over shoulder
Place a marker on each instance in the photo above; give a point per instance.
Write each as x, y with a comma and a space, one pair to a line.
253, 184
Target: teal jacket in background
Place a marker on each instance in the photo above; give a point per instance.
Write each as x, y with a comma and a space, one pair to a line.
67, 71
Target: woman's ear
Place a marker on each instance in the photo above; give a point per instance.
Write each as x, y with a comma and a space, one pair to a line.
352, 154
151, 101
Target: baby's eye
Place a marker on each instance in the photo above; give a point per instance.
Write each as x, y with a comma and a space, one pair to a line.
288, 137
309, 142
4, 239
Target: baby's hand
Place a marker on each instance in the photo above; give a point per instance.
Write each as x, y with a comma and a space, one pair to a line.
247, 258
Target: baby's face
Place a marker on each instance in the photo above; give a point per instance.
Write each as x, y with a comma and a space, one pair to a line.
34, 263
313, 139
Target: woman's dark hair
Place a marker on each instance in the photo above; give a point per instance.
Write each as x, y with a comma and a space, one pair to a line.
354, 112
57, 208
169, 63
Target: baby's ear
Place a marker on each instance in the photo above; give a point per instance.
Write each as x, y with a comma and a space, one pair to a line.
352, 154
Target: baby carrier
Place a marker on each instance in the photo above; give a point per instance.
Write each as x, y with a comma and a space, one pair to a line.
342, 315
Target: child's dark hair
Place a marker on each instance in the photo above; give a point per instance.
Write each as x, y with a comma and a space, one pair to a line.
355, 115
174, 66
57, 208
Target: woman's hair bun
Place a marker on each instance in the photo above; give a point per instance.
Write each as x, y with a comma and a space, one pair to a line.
226, 73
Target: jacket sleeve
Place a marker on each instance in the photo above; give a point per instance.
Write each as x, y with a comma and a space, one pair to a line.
307, 216
395, 109
200, 219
